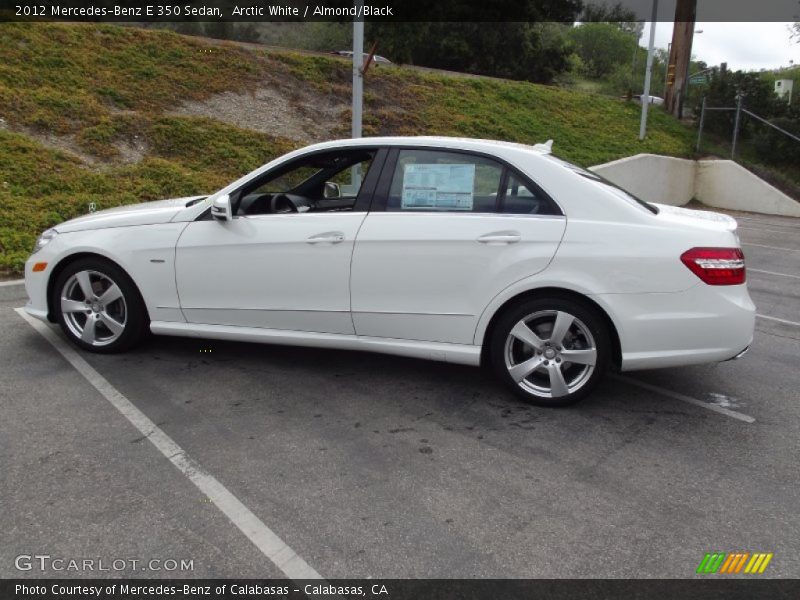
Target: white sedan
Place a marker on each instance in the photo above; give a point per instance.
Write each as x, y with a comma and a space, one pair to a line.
458, 250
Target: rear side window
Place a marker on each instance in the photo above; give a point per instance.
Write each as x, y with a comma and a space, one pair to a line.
435, 181
524, 199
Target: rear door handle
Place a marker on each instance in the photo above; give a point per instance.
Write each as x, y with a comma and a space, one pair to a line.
329, 237
500, 237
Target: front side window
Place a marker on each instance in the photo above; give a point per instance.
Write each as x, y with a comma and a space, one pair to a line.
438, 181
319, 183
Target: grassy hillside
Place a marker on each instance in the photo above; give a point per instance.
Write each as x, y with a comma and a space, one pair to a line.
88, 115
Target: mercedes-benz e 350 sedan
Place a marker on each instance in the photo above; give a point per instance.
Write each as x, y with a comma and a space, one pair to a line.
458, 250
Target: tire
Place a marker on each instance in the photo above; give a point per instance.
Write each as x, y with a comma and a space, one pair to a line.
526, 355
96, 292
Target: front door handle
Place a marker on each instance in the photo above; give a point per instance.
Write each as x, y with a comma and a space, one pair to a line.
500, 237
329, 237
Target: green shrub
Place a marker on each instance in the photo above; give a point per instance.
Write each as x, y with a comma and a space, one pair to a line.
775, 147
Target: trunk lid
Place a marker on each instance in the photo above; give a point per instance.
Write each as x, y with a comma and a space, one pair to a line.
699, 218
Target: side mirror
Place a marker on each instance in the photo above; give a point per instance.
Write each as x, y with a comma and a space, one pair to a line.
221, 208
332, 190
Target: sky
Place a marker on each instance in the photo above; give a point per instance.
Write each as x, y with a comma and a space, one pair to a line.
745, 46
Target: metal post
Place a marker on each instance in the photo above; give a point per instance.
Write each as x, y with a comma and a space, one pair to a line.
648, 71
358, 90
700, 127
358, 76
736, 125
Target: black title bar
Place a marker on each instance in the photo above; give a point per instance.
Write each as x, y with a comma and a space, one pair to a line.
380, 10
396, 589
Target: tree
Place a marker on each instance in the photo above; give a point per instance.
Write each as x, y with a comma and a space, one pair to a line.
527, 51
774, 147
602, 47
536, 49
723, 91
622, 17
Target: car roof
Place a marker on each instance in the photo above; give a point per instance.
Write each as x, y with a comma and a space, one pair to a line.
512, 152
455, 143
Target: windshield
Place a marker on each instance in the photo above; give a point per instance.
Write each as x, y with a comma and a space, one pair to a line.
614, 188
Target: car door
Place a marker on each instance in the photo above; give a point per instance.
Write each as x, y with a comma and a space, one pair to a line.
286, 271
448, 231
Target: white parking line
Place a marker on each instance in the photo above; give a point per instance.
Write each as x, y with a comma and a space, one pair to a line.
787, 322
758, 221
772, 247
751, 270
684, 398
12, 282
267, 541
767, 229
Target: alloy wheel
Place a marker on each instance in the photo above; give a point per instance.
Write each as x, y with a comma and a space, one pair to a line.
94, 308
550, 354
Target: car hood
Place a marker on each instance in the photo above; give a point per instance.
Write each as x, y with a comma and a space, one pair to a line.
703, 218
146, 213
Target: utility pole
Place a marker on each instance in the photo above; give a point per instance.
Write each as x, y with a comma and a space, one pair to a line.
679, 56
648, 72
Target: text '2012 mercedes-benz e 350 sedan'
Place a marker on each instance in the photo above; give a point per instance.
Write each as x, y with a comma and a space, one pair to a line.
458, 250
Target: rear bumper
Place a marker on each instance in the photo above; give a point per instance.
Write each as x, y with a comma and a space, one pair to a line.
703, 324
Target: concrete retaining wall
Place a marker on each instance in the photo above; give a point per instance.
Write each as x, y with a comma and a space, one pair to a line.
725, 184
654, 178
717, 183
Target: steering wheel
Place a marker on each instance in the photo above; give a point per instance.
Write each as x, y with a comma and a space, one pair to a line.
282, 204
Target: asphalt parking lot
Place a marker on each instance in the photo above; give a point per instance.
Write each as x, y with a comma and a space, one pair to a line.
378, 466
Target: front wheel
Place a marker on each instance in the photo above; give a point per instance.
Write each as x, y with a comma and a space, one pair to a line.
98, 307
551, 351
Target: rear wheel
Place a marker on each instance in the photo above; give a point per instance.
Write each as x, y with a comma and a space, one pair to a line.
98, 307
550, 351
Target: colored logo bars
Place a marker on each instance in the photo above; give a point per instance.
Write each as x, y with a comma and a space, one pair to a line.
729, 563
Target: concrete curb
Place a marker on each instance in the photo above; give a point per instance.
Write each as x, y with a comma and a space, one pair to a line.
13, 290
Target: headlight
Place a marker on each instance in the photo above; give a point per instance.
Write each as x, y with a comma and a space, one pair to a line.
44, 239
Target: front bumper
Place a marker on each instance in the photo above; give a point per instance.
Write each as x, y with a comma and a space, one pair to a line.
35, 312
36, 284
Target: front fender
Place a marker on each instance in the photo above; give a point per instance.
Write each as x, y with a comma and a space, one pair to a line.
146, 253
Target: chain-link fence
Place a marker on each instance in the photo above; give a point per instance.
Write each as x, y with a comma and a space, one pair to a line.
775, 141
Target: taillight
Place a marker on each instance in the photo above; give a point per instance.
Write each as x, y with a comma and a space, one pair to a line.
716, 266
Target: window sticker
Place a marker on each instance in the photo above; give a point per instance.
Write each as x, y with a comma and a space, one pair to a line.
438, 187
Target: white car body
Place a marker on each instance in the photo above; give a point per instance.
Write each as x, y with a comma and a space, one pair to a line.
418, 284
